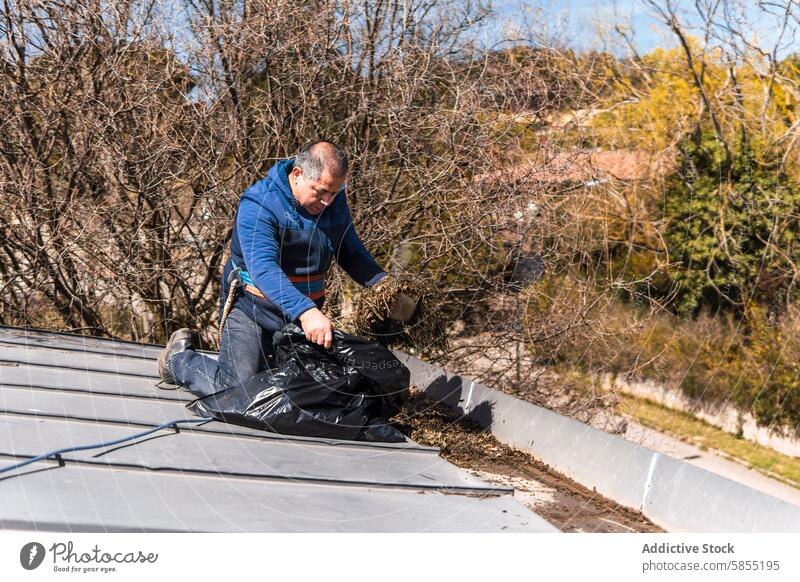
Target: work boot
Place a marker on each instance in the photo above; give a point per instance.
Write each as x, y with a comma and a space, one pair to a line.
179, 341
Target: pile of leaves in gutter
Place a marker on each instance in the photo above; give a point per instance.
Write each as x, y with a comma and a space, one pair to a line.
466, 444
461, 440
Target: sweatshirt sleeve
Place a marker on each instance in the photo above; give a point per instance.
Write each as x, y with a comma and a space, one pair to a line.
258, 234
355, 259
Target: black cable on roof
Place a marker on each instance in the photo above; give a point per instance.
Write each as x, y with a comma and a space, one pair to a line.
58, 452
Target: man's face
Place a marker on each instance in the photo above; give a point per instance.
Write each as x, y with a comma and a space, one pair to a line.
314, 195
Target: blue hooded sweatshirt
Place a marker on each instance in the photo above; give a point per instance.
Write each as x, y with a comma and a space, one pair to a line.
274, 238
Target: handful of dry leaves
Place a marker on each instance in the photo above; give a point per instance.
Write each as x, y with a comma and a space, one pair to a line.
425, 330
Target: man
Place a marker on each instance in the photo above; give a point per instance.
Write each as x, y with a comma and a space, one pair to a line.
288, 229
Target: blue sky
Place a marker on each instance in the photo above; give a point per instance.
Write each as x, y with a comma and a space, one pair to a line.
577, 20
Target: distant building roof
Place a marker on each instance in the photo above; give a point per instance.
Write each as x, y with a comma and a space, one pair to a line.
591, 167
61, 390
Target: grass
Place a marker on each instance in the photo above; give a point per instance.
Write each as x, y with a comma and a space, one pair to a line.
688, 428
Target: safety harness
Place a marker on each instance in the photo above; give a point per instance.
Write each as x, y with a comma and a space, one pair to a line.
312, 286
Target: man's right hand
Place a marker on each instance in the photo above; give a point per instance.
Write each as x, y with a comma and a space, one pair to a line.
318, 328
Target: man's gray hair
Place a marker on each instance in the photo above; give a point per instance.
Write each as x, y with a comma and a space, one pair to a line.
321, 155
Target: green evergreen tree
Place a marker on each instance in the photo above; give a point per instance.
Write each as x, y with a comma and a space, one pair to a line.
732, 227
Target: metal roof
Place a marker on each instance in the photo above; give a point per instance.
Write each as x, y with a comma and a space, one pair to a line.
62, 390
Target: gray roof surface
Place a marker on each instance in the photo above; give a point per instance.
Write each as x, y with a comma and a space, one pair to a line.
60, 390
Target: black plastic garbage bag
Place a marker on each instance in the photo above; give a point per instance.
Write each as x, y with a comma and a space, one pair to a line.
345, 392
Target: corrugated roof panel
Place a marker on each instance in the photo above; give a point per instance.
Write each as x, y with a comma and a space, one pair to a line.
61, 390
85, 498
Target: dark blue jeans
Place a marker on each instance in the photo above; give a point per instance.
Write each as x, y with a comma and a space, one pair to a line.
243, 352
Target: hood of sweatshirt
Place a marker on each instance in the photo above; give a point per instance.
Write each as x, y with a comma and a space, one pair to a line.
278, 179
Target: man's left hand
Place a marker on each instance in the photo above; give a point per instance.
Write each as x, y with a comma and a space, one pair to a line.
318, 328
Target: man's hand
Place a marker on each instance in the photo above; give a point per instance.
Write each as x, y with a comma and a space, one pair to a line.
318, 328
403, 307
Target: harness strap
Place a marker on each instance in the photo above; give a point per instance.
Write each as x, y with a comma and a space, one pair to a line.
252, 289
312, 286
239, 277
